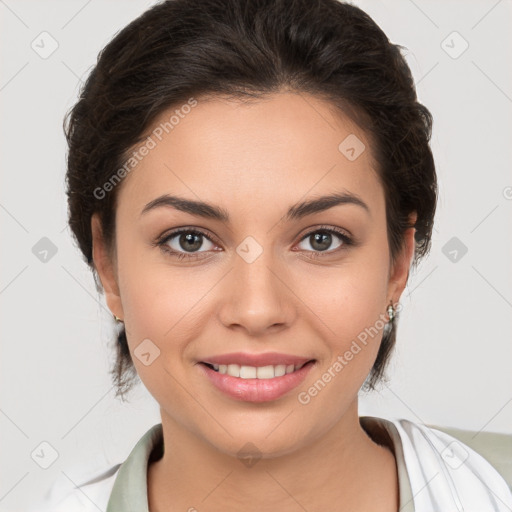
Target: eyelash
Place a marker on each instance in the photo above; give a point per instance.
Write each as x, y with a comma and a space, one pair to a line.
162, 242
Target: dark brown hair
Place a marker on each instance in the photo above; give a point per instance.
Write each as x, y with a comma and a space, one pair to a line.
243, 49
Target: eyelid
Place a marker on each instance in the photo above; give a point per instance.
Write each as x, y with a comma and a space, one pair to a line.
325, 227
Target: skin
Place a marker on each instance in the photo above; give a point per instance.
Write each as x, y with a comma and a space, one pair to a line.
255, 160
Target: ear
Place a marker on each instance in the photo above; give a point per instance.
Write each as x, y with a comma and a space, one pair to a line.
105, 268
399, 273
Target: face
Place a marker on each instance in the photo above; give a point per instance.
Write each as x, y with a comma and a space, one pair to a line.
272, 277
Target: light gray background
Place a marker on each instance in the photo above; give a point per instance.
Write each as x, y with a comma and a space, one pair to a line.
452, 363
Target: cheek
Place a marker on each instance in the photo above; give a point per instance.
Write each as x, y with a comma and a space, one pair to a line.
348, 313
161, 303
152, 298
346, 299
149, 289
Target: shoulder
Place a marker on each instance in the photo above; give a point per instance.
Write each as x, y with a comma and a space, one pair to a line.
441, 466
93, 489
90, 492
495, 447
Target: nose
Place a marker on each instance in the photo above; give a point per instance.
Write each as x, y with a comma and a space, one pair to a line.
256, 297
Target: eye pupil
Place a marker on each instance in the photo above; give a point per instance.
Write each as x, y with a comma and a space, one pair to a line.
324, 239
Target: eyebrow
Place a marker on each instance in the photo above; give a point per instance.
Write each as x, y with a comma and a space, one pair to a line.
295, 212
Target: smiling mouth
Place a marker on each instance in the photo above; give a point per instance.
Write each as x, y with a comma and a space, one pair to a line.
256, 372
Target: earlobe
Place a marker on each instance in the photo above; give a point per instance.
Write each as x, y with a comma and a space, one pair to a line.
105, 268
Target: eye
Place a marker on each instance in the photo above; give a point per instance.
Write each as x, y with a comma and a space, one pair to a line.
184, 243
321, 239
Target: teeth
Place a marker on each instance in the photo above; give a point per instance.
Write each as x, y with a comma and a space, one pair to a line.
253, 372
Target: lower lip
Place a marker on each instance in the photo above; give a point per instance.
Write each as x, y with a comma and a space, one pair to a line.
256, 390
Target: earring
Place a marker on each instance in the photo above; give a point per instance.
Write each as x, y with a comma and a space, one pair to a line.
391, 311
116, 319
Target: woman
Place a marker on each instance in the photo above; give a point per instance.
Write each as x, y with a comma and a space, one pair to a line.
250, 182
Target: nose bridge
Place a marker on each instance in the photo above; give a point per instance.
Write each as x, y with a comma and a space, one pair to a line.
256, 297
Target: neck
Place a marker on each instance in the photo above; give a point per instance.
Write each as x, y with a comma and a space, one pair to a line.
342, 466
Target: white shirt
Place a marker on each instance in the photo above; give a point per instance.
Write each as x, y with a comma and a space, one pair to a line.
436, 473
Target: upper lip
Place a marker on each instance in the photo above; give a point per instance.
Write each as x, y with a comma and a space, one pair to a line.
264, 359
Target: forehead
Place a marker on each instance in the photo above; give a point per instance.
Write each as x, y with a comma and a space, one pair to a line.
277, 149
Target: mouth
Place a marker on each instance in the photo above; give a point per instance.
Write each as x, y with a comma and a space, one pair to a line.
256, 372
256, 383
